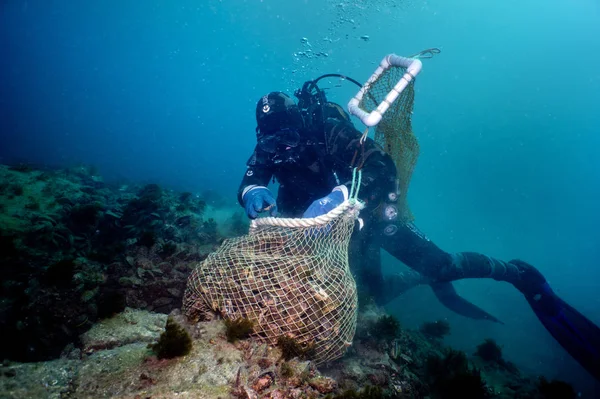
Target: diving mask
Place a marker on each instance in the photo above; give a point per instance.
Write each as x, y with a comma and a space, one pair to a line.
273, 141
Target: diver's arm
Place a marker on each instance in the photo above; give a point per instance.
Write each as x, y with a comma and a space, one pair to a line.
257, 174
377, 167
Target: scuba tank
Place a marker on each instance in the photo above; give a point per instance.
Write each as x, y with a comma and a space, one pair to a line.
313, 103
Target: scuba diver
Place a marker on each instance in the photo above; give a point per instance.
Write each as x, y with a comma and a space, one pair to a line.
310, 148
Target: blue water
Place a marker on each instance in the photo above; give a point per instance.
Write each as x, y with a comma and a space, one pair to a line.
507, 117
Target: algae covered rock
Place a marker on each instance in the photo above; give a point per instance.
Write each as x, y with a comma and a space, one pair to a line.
124, 328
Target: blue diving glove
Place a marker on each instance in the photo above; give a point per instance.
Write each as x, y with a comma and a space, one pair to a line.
258, 199
328, 203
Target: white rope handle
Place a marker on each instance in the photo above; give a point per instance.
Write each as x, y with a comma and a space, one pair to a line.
321, 220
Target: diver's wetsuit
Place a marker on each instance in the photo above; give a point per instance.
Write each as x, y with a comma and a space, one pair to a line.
312, 169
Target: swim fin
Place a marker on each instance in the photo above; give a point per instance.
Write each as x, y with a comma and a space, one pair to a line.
447, 295
573, 331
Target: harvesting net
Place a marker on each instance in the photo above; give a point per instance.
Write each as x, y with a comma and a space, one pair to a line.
290, 277
386, 101
394, 132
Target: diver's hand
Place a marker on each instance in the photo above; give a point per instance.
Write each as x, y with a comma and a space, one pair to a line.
328, 203
259, 199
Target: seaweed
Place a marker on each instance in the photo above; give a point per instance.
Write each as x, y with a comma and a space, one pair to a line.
466, 384
453, 360
175, 341
368, 392
489, 351
451, 376
21, 167
151, 192
237, 329
185, 197
33, 204
147, 238
167, 249
106, 252
387, 327
138, 207
44, 176
198, 206
291, 348
110, 302
15, 189
435, 329
286, 370
60, 273
85, 216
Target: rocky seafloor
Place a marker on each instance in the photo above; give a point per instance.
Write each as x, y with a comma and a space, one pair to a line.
93, 276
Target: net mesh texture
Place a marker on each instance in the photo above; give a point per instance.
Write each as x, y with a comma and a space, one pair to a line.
294, 281
394, 133
290, 281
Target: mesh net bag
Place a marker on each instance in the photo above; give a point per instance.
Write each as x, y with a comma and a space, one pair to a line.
394, 133
290, 277
386, 102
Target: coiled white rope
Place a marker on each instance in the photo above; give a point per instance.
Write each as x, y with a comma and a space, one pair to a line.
352, 204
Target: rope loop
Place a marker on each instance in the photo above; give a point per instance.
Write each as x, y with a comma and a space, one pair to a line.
352, 203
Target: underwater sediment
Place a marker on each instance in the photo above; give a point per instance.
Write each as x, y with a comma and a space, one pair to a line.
93, 276
75, 250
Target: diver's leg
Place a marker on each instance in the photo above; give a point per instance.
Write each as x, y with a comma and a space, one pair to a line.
406, 243
365, 263
394, 285
573, 331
